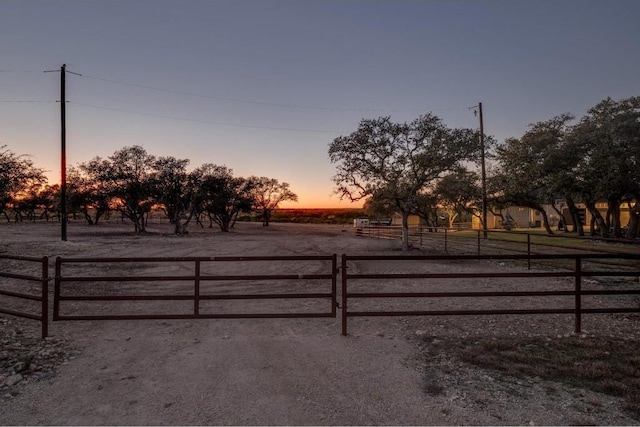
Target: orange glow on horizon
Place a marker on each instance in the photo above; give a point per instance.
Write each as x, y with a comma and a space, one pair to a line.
304, 201
321, 203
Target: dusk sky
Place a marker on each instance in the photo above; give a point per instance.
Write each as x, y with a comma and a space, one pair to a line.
263, 87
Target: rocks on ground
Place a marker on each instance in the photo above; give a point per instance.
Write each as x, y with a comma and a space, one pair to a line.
25, 358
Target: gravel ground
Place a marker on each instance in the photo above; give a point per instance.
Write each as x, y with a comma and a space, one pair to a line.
272, 371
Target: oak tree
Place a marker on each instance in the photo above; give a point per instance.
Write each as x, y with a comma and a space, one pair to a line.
396, 161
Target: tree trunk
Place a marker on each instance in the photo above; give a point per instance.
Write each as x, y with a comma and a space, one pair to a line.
595, 213
451, 219
99, 213
234, 218
179, 228
198, 218
405, 231
545, 221
553, 206
223, 221
614, 212
575, 216
87, 217
186, 223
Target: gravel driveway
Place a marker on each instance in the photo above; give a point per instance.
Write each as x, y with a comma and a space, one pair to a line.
277, 371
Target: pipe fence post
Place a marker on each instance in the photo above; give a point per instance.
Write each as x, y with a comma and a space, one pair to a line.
445, 241
529, 251
578, 296
334, 286
196, 289
478, 242
56, 289
344, 294
45, 297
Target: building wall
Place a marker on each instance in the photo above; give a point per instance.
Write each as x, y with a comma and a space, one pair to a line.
530, 218
602, 207
522, 216
414, 220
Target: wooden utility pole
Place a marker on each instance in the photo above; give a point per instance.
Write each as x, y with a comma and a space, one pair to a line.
63, 153
484, 174
63, 149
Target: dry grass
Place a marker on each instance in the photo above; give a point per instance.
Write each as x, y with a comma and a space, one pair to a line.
607, 365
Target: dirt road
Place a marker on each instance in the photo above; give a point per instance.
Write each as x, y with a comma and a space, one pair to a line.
272, 371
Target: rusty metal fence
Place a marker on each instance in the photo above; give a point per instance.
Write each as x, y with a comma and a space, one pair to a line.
576, 294
76, 288
467, 241
190, 284
12, 290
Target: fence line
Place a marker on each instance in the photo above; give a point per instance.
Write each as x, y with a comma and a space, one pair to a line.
469, 241
43, 298
577, 273
197, 278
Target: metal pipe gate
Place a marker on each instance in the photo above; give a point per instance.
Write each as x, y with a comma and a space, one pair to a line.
197, 278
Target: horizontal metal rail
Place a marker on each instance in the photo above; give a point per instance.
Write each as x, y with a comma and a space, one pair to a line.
187, 277
42, 298
577, 273
190, 297
199, 316
197, 278
193, 259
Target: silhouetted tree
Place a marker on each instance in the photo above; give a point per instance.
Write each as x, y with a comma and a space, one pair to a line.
174, 191
268, 193
87, 190
608, 137
534, 169
18, 175
222, 196
128, 173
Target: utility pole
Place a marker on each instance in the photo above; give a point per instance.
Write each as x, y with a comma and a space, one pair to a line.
63, 153
483, 168
484, 174
63, 149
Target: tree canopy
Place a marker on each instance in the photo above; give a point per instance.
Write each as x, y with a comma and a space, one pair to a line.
268, 193
132, 182
422, 167
399, 161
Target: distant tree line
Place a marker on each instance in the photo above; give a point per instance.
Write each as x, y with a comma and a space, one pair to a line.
315, 216
425, 168
132, 182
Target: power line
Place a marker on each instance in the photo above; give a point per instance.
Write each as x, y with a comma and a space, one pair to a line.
244, 101
26, 101
227, 99
20, 71
203, 121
